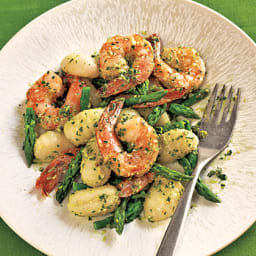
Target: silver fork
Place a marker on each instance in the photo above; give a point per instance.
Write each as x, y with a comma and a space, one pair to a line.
219, 131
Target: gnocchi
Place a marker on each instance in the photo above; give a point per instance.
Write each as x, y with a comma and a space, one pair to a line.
82, 126
162, 199
93, 172
175, 144
80, 65
50, 144
94, 201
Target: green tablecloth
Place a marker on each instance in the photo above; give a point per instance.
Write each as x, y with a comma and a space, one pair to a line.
14, 14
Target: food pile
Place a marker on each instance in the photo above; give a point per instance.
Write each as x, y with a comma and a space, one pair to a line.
111, 125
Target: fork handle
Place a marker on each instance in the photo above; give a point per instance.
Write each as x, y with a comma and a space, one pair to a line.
172, 234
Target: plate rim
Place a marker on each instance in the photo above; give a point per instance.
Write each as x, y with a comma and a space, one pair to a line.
51, 12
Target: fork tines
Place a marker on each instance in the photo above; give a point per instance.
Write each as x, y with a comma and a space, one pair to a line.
214, 114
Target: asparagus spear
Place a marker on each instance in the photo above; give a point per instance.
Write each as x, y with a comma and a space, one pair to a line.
169, 173
115, 179
134, 209
204, 191
189, 164
138, 99
181, 124
105, 102
155, 115
99, 82
181, 110
184, 162
140, 195
169, 126
119, 216
187, 124
107, 222
78, 186
195, 97
85, 98
192, 158
30, 135
141, 89
72, 172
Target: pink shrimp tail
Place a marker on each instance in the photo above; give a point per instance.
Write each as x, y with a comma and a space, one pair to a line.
115, 86
51, 175
74, 93
106, 138
134, 185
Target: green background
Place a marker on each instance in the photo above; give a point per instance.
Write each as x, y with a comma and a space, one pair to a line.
14, 14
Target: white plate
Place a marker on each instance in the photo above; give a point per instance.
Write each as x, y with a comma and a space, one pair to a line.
84, 25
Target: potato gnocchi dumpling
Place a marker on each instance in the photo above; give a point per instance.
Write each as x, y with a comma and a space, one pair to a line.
80, 128
50, 144
93, 171
80, 65
94, 201
175, 144
162, 199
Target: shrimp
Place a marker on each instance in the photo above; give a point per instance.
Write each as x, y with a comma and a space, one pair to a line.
51, 175
133, 130
44, 93
116, 55
180, 67
134, 185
